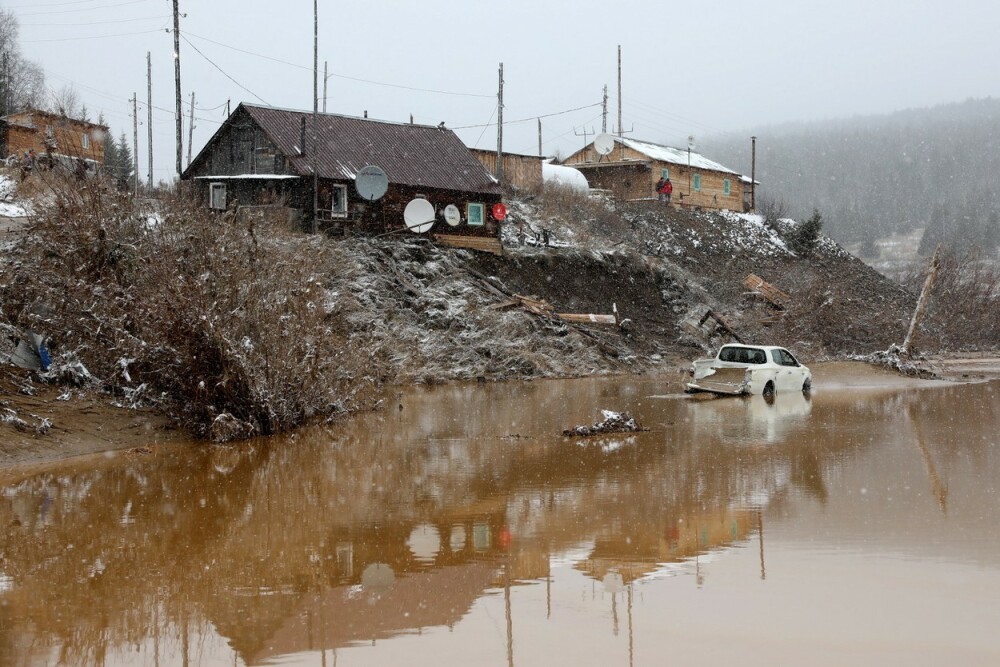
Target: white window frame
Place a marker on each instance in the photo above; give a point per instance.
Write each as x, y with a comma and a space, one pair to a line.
479, 219
339, 211
50, 132
85, 141
214, 189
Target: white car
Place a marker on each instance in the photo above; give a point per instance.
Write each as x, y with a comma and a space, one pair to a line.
750, 369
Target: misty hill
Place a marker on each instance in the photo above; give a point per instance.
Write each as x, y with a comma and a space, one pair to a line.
878, 175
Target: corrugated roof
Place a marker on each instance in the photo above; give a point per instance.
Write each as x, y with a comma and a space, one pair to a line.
413, 155
675, 155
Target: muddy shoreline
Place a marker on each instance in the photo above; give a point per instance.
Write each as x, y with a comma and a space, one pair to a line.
85, 422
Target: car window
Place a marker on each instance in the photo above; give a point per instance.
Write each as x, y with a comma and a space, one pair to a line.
784, 358
742, 355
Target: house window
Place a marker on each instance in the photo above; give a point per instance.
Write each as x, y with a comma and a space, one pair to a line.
664, 174
49, 131
333, 200
697, 182
217, 196
726, 187
476, 214
85, 141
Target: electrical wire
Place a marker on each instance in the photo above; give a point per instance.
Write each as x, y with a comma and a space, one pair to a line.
82, 9
184, 37
78, 39
338, 76
488, 124
527, 120
73, 25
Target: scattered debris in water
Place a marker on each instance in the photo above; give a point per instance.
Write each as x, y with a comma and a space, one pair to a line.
894, 359
614, 422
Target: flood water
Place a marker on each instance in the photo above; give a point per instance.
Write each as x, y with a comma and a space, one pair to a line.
458, 527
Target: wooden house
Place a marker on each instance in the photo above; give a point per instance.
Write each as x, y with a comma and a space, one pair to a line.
633, 167
520, 172
53, 137
264, 155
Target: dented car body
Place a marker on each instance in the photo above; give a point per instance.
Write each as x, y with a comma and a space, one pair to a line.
739, 370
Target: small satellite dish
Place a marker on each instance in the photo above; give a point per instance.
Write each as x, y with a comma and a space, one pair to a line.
371, 183
452, 215
419, 216
604, 143
499, 211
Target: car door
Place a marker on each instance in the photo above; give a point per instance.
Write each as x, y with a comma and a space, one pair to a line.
789, 374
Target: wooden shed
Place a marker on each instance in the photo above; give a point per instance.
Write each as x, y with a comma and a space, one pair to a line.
521, 172
62, 139
265, 155
633, 167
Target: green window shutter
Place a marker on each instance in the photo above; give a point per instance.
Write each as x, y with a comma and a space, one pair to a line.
697, 182
726, 186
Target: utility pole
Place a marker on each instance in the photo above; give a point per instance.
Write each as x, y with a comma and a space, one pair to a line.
690, 146
135, 145
753, 174
312, 156
177, 81
604, 110
326, 78
191, 129
149, 117
539, 137
500, 129
620, 128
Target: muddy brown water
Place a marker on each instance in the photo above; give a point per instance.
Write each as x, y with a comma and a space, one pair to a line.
458, 526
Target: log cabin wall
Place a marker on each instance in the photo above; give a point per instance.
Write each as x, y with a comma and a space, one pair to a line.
40, 131
522, 172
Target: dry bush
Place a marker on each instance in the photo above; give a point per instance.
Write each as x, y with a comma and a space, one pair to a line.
221, 318
964, 310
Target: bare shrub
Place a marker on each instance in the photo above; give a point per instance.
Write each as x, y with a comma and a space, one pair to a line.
209, 315
772, 208
964, 310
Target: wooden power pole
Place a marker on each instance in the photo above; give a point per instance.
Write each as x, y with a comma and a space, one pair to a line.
925, 295
191, 129
135, 144
149, 116
753, 174
500, 129
177, 82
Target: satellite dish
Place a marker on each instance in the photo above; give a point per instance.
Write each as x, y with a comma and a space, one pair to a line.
452, 215
499, 211
419, 216
371, 183
604, 143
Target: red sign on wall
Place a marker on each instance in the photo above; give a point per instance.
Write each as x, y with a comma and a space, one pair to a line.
499, 211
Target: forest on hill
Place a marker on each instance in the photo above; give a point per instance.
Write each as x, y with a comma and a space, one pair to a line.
875, 176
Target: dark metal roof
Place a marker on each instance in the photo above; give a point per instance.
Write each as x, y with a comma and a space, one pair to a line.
412, 155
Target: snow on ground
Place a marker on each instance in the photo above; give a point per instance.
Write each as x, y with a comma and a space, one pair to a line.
8, 207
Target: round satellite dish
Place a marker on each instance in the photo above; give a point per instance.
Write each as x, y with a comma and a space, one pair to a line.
419, 216
604, 143
499, 211
371, 183
452, 215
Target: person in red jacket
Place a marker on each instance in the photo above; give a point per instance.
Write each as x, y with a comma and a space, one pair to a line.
667, 190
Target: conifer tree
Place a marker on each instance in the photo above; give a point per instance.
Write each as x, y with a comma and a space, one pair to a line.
125, 166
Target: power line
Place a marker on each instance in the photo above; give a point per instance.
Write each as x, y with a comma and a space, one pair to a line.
341, 76
76, 24
532, 119
82, 9
51, 4
78, 39
184, 37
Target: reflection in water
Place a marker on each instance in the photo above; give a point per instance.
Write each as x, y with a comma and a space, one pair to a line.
397, 523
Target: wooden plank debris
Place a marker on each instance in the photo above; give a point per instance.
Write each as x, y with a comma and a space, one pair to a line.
701, 322
490, 244
769, 292
543, 308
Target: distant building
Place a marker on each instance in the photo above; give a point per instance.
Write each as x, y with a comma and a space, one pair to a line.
52, 136
633, 167
264, 155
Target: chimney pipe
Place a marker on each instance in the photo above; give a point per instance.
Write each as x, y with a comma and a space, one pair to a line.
302, 137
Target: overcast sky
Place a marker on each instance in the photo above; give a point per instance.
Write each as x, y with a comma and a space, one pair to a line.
688, 68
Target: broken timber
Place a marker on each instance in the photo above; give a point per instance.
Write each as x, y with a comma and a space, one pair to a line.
542, 308
490, 244
769, 292
701, 322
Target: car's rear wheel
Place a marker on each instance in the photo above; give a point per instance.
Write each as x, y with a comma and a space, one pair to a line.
769, 390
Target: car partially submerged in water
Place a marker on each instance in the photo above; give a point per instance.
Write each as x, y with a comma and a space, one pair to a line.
739, 370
